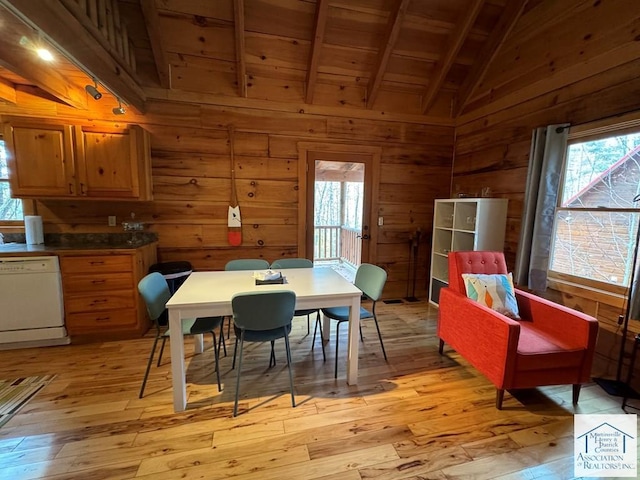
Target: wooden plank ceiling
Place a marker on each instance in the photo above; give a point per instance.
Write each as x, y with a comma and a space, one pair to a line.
419, 57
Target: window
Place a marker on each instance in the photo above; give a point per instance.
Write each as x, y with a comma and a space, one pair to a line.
10, 208
597, 219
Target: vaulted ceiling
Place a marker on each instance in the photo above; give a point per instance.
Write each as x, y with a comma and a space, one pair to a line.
419, 57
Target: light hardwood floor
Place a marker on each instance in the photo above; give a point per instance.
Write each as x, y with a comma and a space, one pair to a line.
419, 416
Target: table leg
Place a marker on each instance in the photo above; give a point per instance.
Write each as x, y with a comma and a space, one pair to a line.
326, 327
354, 339
198, 343
177, 361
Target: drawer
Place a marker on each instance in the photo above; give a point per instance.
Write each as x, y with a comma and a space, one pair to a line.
105, 301
78, 323
97, 264
97, 283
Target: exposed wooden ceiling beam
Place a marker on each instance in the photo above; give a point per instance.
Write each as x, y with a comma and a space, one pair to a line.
76, 41
512, 12
390, 37
458, 36
7, 91
322, 10
151, 16
18, 43
241, 66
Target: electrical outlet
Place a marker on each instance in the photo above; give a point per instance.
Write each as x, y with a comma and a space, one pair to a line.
380, 221
112, 220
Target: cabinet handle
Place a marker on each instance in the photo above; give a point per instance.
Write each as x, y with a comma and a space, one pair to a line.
103, 319
70, 188
99, 300
82, 192
96, 282
97, 262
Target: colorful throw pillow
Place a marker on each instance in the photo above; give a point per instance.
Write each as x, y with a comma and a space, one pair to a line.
493, 291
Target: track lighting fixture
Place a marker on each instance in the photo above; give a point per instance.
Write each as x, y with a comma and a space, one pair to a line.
119, 110
93, 90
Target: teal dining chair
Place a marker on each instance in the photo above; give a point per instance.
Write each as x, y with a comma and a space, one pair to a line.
284, 263
244, 264
247, 264
262, 317
370, 279
154, 290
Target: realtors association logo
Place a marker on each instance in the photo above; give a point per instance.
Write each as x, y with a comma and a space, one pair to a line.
605, 445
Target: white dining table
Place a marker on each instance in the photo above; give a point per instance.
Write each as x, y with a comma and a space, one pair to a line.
207, 294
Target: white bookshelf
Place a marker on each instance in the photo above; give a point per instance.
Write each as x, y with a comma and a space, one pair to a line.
464, 224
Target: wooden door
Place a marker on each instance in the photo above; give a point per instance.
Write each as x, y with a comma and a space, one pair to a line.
41, 161
107, 164
369, 157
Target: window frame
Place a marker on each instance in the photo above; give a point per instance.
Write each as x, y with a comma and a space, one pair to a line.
582, 134
5, 221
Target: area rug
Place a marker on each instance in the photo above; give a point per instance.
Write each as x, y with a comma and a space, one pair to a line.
16, 393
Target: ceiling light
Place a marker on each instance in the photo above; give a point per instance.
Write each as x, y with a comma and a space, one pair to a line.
119, 110
45, 54
93, 90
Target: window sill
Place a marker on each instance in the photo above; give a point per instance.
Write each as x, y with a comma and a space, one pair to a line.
613, 299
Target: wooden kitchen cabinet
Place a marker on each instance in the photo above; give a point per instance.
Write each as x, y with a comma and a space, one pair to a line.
41, 160
113, 164
101, 298
47, 160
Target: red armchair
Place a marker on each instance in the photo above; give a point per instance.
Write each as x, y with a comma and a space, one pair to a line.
550, 344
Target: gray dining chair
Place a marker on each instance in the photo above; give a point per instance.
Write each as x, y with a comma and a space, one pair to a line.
155, 292
370, 279
263, 317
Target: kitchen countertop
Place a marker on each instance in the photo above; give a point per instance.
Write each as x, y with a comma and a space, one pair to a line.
55, 244
20, 248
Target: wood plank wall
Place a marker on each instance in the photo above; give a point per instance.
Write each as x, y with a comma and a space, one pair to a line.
191, 179
583, 71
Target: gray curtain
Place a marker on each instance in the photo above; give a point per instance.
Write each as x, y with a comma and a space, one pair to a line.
546, 161
634, 293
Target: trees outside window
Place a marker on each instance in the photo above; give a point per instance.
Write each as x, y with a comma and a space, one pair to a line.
10, 208
597, 219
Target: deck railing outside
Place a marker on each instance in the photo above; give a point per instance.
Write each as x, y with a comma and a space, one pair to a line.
333, 242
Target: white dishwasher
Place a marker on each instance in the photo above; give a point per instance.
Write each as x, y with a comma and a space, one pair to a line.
31, 308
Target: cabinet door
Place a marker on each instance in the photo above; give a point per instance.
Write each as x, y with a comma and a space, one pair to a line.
41, 162
107, 164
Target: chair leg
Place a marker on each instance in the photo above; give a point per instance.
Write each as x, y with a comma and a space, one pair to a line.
286, 343
164, 340
576, 392
380, 337
221, 341
313, 343
441, 347
308, 325
499, 398
235, 349
216, 353
229, 321
146, 373
272, 358
235, 406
